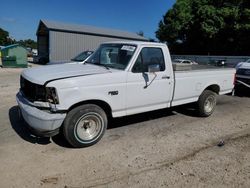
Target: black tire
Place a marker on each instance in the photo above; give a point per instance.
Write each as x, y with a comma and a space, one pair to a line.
85, 121
206, 103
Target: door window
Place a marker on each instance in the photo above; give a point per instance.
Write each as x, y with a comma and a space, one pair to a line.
149, 56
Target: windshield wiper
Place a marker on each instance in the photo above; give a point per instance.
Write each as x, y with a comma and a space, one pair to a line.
76, 60
98, 64
102, 65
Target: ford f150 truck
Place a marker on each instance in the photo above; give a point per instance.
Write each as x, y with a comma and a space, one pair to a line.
119, 79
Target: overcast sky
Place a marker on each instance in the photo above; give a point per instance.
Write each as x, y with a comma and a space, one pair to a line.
21, 18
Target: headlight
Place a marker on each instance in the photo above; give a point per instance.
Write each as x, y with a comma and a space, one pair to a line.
51, 95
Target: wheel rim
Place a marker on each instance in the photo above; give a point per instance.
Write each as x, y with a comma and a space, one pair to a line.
209, 104
88, 127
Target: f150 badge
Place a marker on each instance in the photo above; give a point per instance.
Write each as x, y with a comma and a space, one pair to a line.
113, 93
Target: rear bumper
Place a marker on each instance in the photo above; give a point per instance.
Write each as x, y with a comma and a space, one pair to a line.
41, 123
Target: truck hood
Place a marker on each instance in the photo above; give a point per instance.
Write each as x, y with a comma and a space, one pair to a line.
41, 75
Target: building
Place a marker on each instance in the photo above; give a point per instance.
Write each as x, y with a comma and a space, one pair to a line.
14, 55
60, 41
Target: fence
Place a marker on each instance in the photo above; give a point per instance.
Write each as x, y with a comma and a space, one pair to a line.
230, 60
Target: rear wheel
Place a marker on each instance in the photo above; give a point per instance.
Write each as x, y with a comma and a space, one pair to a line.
206, 103
85, 125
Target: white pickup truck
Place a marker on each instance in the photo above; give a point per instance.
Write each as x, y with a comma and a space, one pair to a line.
119, 79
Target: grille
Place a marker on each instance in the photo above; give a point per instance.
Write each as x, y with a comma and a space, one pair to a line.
33, 92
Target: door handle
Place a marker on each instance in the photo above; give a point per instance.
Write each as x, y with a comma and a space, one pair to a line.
165, 77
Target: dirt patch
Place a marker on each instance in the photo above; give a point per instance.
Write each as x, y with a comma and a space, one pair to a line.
165, 148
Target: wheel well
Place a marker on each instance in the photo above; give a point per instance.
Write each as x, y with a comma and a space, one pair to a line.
215, 88
105, 106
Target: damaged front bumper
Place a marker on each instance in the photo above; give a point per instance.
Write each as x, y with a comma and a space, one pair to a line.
42, 123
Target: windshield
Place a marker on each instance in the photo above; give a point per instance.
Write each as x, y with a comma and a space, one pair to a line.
115, 56
82, 56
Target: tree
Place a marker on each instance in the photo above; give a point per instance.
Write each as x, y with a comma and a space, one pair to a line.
6, 40
4, 35
29, 43
218, 27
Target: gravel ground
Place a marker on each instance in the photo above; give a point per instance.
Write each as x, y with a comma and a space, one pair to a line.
165, 148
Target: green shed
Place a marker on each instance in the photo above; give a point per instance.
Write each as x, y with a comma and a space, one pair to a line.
14, 56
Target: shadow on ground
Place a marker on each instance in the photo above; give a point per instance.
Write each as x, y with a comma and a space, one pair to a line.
188, 110
20, 126
242, 91
138, 118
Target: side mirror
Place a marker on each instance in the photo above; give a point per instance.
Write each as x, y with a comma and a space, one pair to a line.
153, 68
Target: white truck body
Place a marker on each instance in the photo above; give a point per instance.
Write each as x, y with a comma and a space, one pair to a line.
124, 92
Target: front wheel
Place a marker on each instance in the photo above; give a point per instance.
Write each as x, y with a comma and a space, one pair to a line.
206, 103
85, 125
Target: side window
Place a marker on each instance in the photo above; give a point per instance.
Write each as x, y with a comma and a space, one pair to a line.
149, 56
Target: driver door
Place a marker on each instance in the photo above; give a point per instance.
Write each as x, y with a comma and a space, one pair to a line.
148, 91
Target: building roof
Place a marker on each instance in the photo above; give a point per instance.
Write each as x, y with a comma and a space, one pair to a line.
12, 46
86, 29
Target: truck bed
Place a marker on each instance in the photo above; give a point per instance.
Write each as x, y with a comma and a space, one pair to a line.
191, 80
185, 67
